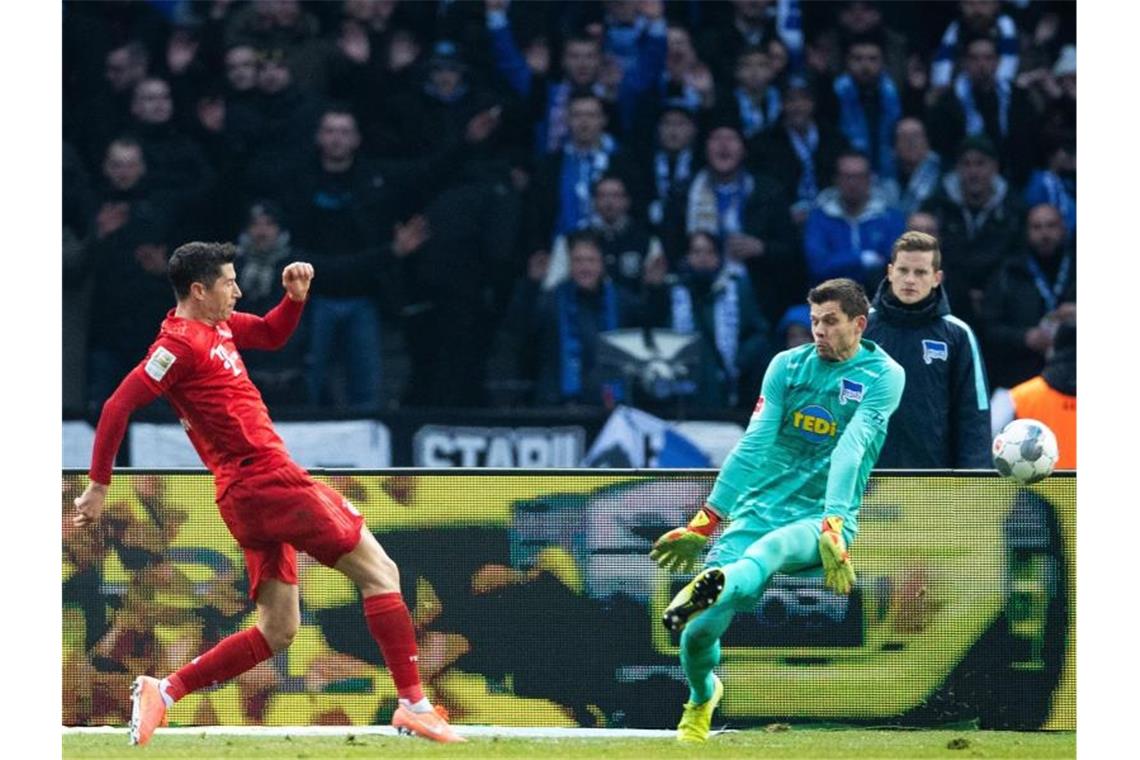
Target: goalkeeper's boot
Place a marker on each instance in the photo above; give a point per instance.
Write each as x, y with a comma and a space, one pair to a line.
429, 725
148, 711
700, 594
696, 720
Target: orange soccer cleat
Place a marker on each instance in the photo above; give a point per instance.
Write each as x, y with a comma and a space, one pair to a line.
148, 711
430, 725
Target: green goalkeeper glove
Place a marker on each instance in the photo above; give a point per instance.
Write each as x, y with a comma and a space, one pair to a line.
679, 549
838, 572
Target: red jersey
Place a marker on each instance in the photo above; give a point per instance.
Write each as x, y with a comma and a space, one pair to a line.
198, 369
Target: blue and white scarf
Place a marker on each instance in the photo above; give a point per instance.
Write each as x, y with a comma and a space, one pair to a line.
579, 173
975, 124
1051, 295
570, 334
922, 184
853, 121
665, 181
805, 148
715, 209
726, 318
754, 120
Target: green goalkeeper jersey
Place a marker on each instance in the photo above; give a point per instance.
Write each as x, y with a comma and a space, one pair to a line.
814, 436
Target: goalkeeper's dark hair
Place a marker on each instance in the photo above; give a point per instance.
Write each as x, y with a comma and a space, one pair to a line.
198, 262
849, 294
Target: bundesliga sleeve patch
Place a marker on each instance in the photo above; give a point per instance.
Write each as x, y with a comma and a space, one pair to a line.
159, 364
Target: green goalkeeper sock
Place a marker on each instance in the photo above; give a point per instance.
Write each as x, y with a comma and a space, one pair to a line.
700, 650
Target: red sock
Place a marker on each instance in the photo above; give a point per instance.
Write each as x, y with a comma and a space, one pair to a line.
391, 626
231, 656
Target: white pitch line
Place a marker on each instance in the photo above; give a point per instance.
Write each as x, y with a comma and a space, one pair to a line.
520, 732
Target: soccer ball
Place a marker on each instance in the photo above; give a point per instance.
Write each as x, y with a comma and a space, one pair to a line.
1025, 450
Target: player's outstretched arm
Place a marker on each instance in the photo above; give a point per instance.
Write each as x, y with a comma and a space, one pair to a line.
272, 331
132, 393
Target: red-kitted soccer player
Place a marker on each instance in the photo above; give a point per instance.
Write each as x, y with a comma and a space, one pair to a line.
269, 503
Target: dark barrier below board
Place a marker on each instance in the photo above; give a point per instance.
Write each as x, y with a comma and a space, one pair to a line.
536, 605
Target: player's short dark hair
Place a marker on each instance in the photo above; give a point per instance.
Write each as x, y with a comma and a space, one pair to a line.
849, 294
914, 241
198, 262
579, 237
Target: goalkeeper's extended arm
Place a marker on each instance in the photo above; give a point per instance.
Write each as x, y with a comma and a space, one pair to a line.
678, 549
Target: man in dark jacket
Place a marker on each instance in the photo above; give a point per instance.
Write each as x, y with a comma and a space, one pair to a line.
943, 420
980, 220
1028, 297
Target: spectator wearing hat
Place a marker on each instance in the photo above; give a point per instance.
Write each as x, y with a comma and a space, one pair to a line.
436, 113
980, 223
976, 18
918, 169
979, 102
748, 216
794, 327
1029, 295
800, 153
852, 228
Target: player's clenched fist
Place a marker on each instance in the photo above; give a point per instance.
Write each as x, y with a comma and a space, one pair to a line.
89, 505
296, 278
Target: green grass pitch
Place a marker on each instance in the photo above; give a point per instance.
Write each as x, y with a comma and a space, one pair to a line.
810, 744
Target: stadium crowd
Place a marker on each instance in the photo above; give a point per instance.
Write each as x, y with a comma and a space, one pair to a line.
483, 187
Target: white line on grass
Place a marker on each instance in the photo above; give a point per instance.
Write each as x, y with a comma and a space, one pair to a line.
521, 732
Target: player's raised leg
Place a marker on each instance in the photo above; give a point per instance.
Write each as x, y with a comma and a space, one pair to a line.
740, 583
278, 616
378, 578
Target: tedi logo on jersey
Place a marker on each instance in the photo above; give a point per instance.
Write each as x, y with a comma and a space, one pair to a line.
849, 390
934, 349
229, 360
814, 423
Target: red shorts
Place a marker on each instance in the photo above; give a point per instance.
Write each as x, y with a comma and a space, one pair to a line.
274, 513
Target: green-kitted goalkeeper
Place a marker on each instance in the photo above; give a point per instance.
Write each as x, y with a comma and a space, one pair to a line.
790, 490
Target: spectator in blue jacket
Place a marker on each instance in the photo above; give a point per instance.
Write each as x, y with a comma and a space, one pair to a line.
943, 420
850, 231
